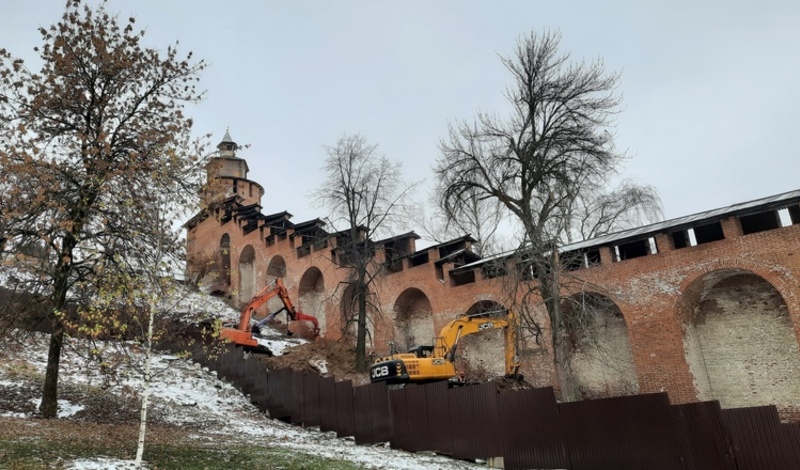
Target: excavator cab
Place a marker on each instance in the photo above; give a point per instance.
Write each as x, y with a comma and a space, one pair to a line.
422, 351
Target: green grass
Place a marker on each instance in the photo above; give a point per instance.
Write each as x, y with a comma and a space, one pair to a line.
37, 454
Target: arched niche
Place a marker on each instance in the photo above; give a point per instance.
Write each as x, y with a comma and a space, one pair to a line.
413, 320
276, 268
601, 360
348, 310
739, 340
312, 296
225, 260
481, 355
247, 274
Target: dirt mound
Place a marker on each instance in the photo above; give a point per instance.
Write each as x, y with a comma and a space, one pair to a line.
324, 357
506, 383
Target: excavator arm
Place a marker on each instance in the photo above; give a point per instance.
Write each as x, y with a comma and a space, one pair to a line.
464, 325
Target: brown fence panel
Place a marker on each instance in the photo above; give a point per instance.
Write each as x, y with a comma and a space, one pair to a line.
632, 432
229, 365
437, 399
474, 425
760, 441
382, 422
345, 417
254, 372
361, 413
410, 415
372, 414
279, 389
399, 402
791, 439
261, 396
705, 444
311, 405
531, 431
296, 400
327, 400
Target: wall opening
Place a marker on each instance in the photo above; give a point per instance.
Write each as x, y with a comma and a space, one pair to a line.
247, 274
419, 258
312, 296
276, 268
494, 269
760, 222
460, 278
413, 320
225, 260
480, 356
739, 341
635, 249
348, 309
708, 233
601, 359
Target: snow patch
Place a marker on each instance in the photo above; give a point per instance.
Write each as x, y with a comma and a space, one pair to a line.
320, 365
103, 463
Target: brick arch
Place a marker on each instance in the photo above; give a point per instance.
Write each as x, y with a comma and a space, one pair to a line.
413, 319
739, 338
601, 357
247, 274
780, 282
311, 296
276, 268
493, 307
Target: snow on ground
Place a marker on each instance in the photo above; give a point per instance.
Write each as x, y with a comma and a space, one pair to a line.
187, 394
191, 395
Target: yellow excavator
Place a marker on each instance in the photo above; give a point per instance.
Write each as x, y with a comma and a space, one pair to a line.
423, 364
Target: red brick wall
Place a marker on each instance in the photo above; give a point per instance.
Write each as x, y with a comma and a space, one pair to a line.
655, 294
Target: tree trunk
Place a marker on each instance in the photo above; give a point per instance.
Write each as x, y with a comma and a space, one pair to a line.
361, 341
566, 380
49, 406
148, 378
550, 289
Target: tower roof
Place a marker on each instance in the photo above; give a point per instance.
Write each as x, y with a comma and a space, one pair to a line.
227, 137
227, 147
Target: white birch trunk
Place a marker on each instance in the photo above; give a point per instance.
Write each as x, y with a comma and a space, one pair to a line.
146, 390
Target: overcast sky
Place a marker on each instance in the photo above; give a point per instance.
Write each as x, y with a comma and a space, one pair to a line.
710, 88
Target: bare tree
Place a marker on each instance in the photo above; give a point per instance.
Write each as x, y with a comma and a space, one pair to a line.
479, 217
609, 210
552, 156
365, 193
90, 145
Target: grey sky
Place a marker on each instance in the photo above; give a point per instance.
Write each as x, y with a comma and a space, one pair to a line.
710, 87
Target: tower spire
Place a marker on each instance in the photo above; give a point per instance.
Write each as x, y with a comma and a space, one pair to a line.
227, 148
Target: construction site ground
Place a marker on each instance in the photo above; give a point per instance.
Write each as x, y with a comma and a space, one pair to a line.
331, 358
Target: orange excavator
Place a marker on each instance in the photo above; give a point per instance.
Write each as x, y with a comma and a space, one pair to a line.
242, 334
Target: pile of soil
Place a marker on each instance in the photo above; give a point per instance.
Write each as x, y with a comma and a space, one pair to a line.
324, 357
506, 383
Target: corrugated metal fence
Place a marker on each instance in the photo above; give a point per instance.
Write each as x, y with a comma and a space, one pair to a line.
528, 428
